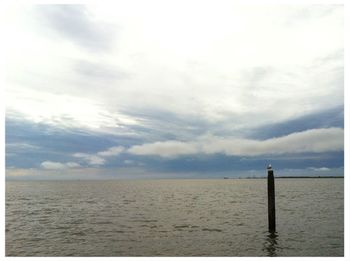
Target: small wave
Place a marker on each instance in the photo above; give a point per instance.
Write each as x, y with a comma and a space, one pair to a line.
149, 226
127, 201
35, 239
25, 199
102, 223
75, 222
144, 220
212, 229
50, 210
182, 226
62, 227
78, 233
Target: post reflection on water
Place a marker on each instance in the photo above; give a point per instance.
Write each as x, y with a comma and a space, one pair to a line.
270, 244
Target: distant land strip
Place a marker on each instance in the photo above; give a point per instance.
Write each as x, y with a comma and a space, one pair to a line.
307, 177
292, 177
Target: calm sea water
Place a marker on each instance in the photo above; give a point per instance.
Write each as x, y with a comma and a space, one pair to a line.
173, 218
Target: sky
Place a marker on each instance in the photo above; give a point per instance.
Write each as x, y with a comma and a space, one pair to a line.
175, 89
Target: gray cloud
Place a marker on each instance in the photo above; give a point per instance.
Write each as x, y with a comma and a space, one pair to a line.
91, 159
162, 124
76, 24
165, 149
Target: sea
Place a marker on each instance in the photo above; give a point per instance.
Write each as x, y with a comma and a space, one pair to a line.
170, 217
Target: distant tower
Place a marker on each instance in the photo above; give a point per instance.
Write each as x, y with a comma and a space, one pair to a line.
269, 166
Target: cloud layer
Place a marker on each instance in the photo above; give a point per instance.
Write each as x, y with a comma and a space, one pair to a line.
114, 87
240, 68
316, 140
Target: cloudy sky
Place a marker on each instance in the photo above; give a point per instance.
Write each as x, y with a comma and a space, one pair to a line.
184, 89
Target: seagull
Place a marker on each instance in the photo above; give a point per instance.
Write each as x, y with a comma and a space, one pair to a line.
269, 166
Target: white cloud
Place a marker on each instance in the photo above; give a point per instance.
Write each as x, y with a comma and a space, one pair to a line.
58, 165
320, 169
128, 162
315, 140
113, 151
72, 165
21, 146
99, 157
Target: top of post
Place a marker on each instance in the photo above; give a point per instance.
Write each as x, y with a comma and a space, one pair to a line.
269, 166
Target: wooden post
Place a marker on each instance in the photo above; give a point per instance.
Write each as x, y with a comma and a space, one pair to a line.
271, 199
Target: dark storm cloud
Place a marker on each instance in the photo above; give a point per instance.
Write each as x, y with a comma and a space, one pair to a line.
75, 23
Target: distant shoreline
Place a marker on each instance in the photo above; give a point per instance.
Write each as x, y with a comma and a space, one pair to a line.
192, 178
293, 177
308, 177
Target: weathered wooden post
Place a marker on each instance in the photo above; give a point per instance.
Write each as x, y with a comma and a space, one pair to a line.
271, 199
